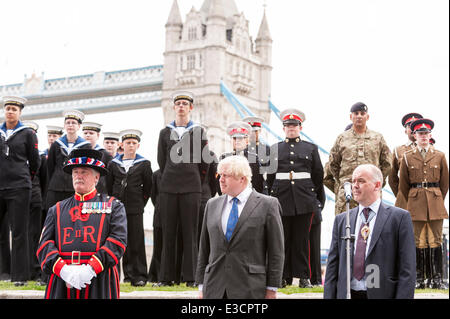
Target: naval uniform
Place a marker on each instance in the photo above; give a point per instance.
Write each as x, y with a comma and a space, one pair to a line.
59, 183
19, 162
106, 158
133, 187
89, 229
39, 184
298, 185
183, 170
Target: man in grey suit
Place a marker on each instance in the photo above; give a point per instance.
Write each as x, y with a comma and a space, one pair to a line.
383, 256
241, 253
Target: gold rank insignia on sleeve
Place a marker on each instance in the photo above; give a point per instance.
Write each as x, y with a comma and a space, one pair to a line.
96, 208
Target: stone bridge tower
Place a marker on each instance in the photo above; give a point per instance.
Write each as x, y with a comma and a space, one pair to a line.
210, 46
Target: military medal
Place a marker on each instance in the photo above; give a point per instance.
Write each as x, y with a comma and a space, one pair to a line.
365, 231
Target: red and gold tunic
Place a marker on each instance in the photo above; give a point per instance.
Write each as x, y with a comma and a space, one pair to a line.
89, 229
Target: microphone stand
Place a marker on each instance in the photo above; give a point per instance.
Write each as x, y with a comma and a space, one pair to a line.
348, 238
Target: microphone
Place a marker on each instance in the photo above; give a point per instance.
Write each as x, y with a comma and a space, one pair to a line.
348, 191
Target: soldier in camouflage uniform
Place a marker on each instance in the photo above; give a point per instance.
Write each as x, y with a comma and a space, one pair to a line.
354, 147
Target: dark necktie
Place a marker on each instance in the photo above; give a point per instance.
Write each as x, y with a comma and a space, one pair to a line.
232, 219
360, 254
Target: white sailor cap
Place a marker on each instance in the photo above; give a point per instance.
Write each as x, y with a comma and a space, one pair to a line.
183, 95
239, 129
254, 121
92, 126
111, 136
74, 114
53, 129
292, 116
14, 100
31, 124
126, 134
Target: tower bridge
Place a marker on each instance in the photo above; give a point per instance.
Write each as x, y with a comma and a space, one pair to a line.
209, 47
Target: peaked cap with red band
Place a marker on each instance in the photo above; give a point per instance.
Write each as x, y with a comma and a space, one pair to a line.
292, 116
239, 129
254, 121
410, 117
422, 125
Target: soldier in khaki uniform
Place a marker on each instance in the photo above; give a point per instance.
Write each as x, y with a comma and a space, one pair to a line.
424, 183
354, 147
400, 150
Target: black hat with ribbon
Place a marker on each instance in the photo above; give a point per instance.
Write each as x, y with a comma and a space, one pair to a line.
85, 158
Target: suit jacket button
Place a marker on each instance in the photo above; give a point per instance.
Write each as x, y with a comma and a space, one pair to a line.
292, 182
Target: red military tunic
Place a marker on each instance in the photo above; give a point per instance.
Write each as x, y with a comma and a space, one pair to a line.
89, 229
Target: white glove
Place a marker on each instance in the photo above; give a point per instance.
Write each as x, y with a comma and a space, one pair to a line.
69, 273
85, 274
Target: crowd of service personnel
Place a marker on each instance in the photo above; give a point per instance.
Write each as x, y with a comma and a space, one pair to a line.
34, 184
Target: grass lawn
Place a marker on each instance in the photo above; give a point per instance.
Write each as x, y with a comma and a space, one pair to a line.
126, 287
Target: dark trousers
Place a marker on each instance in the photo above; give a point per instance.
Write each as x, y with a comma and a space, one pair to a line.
296, 246
5, 250
16, 203
358, 294
314, 242
34, 232
134, 259
179, 218
155, 264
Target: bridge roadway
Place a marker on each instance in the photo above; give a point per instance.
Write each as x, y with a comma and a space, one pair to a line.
92, 93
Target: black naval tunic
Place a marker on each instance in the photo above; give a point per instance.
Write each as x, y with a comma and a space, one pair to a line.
19, 162
254, 161
134, 189
106, 158
89, 229
35, 223
301, 200
59, 183
183, 170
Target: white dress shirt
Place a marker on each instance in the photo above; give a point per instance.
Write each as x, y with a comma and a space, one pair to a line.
242, 197
375, 206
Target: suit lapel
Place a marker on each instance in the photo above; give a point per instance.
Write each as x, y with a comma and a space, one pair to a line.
221, 202
353, 215
382, 217
248, 209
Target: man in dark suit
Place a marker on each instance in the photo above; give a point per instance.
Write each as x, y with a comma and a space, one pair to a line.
383, 258
241, 252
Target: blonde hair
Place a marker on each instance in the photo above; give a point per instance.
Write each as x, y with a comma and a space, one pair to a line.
237, 166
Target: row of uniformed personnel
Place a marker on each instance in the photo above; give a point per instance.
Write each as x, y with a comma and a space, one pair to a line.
297, 182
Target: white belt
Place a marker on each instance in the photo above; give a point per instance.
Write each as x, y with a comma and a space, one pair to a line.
293, 175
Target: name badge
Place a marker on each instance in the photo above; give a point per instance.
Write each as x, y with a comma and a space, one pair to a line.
96, 208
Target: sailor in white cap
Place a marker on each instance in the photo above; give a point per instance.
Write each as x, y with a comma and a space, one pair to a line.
130, 180
60, 184
183, 170
91, 133
111, 141
19, 162
239, 133
298, 185
53, 133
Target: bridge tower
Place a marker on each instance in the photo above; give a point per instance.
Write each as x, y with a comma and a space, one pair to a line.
213, 44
